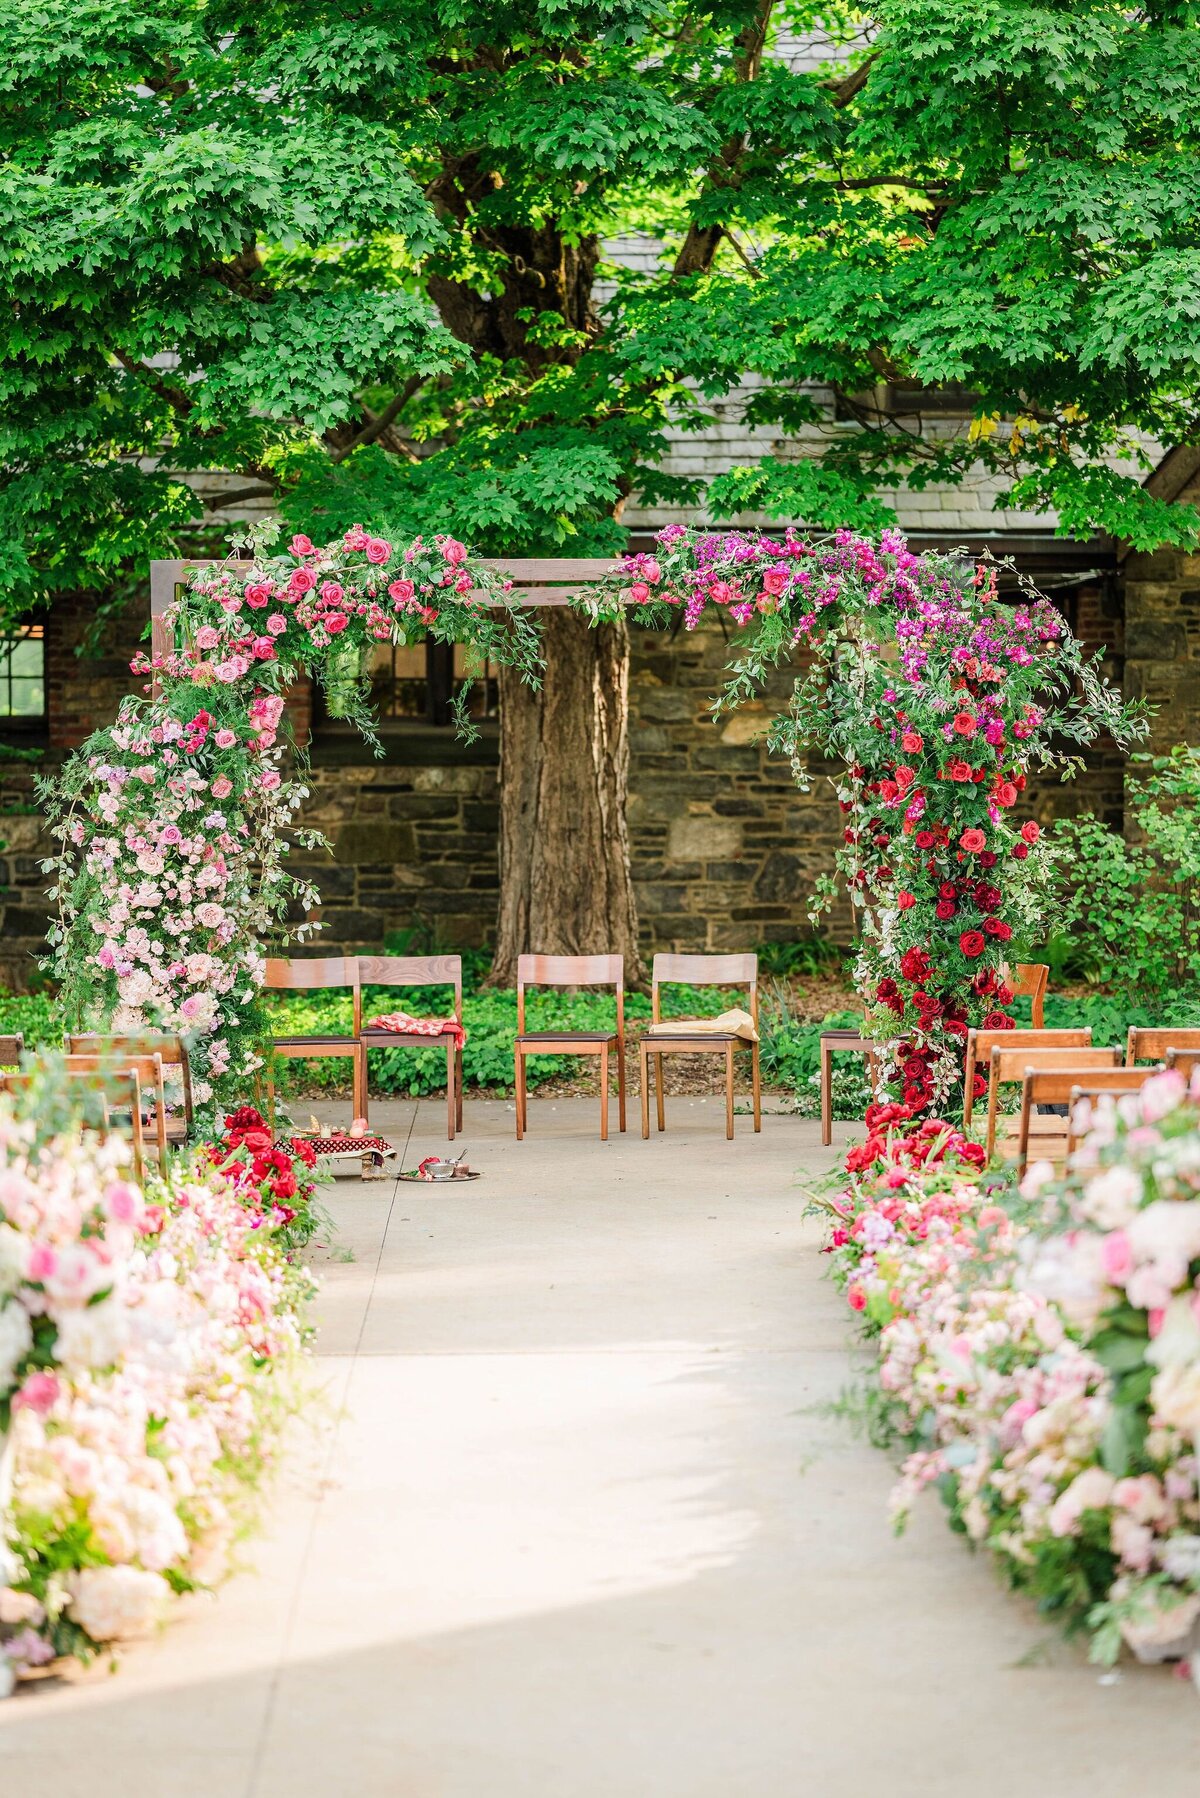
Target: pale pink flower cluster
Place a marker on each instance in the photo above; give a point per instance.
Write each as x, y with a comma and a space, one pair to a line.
174, 1324
1007, 1352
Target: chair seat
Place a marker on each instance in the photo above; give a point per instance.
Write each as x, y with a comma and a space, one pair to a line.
317, 1042
409, 1039
703, 1039
568, 1036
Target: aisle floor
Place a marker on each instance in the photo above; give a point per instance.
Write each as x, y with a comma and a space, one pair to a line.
570, 1516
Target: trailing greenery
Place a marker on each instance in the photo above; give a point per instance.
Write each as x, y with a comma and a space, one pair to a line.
356, 259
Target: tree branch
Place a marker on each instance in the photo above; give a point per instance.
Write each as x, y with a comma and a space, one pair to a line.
378, 422
842, 91
700, 245
175, 397
236, 496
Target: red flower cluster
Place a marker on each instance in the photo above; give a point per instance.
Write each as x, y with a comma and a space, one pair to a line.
258, 1165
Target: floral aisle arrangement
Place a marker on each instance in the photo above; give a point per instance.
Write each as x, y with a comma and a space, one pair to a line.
1039, 1356
937, 699
149, 1348
272, 1175
176, 823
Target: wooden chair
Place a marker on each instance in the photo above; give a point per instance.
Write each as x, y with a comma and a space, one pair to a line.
1028, 980
1152, 1044
1119, 1080
840, 1042
11, 1050
147, 1070
316, 974
571, 970
119, 1093
417, 970
980, 1044
700, 970
171, 1050
1184, 1061
1010, 1064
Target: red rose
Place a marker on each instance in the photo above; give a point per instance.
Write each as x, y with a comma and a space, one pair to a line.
959, 770
998, 928
1031, 831
978, 1086
945, 908
987, 897
1006, 793
987, 859
998, 1020
905, 901
964, 724
925, 839
972, 943
973, 841
1004, 994
912, 743
257, 1141
914, 964
887, 989
947, 890
914, 1068
1020, 851
914, 1095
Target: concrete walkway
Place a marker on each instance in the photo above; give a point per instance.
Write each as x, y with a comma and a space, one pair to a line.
568, 1524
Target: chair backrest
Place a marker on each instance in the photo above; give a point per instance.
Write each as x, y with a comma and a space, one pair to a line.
109, 1070
1112, 1083
1010, 1062
171, 1050
1028, 980
118, 1090
571, 970
980, 1044
312, 973
11, 1050
704, 970
1184, 1061
413, 970
1151, 1044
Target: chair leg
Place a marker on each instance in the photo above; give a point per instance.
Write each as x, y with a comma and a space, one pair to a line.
658, 1090
621, 1086
756, 1079
458, 1087
451, 1095
826, 1097
362, 1101
729, 1091
604, 1094
644, 1070
519, 1084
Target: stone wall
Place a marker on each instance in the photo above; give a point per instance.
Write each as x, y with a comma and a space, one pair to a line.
725, 849
1162, 645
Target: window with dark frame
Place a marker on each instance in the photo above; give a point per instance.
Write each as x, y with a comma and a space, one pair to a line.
416, 683
23, 680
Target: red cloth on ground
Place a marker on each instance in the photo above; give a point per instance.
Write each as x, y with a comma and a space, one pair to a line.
401, 1024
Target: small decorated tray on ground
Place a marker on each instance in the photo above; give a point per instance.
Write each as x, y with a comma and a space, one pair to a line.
355, 1144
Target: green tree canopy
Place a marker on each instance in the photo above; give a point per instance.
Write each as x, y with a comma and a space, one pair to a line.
358, 259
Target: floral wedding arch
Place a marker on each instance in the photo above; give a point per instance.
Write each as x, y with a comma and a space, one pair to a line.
936, 699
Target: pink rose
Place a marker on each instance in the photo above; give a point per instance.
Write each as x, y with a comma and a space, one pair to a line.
225, 739
331, 593
639, 592
356, 537
335, 622
42, 1262
121, 1202
172, 834
269, 779
301, 580
264, 648
453, 551
378, 551
775, 580
39, 1393
258, 593
277, 624
1116, 1257
222, 787
401, 591
651, 570
207, 637
300, 545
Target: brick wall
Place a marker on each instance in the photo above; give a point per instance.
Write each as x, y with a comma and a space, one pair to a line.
1162, 624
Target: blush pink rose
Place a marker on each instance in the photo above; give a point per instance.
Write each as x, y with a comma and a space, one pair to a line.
378, 550
454, 551
225, 739
270, 779
38, 1393
222, 787
300, 545
277, 624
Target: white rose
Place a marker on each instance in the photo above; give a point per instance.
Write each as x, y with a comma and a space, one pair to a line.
1110, 1200
1175, 1397
114, 1603
93, 1336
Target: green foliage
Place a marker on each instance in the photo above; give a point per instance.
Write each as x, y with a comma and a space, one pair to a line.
355, 261
1132, 904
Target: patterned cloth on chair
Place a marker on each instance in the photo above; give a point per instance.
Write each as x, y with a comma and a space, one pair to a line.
399, 1023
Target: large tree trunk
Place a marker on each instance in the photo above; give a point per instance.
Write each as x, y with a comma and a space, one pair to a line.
565, 885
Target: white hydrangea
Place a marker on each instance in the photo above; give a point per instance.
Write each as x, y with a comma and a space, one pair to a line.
115, 1603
